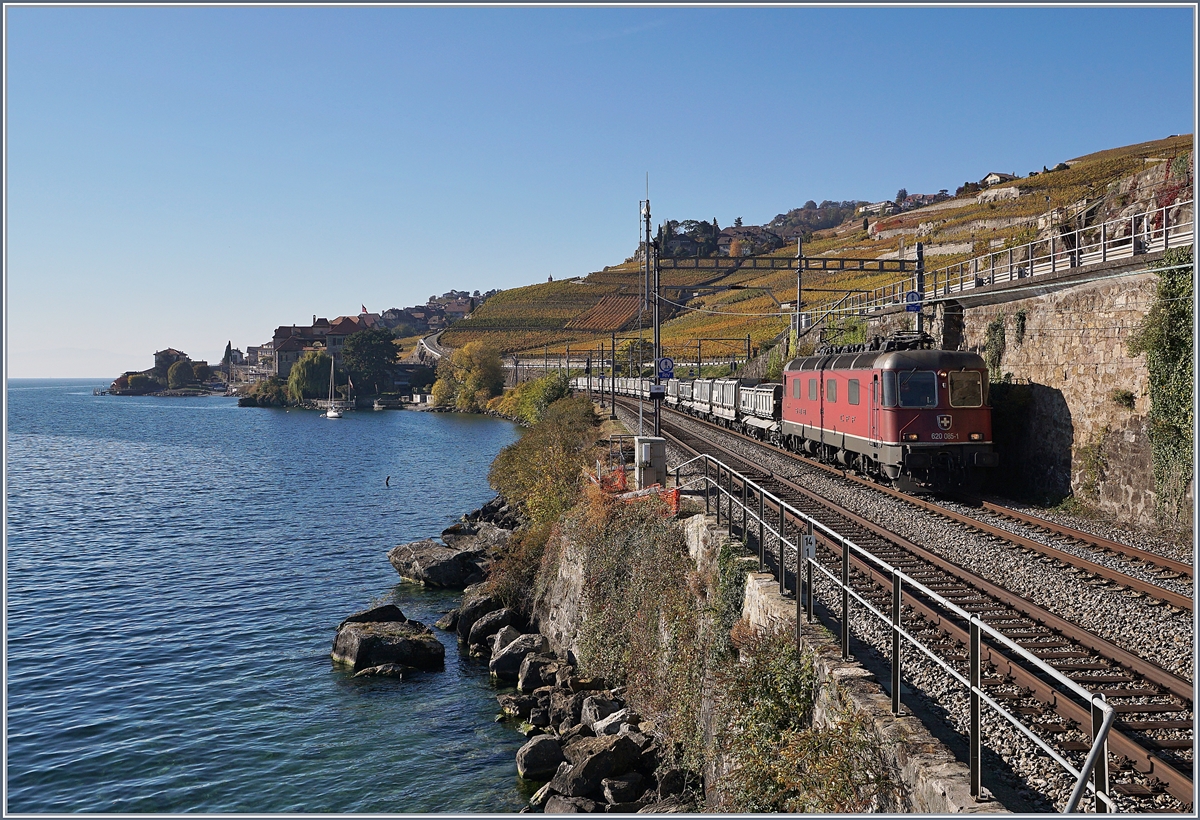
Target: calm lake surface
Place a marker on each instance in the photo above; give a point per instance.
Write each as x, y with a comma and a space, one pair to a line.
175, 572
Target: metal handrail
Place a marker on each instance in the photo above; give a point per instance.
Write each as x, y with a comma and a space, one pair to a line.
900, 579
1147, 231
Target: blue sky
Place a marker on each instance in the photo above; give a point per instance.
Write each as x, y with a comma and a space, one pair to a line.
187, 176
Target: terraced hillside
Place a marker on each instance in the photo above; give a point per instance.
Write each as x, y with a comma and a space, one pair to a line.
1084, 191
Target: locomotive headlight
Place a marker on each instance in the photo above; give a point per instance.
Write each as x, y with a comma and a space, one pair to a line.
911, 437
977, 437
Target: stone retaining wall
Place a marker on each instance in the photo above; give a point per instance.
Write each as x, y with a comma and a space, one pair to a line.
934, 780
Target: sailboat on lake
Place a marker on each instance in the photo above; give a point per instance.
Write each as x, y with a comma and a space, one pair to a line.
334, 408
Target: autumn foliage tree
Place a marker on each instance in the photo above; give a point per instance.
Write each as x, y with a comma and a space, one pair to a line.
471, 376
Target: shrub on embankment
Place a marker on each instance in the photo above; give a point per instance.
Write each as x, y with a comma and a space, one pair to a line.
542, 474
528, 401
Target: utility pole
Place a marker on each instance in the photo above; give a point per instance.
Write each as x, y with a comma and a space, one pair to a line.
799, 274
612, 407
921, 287
657, 337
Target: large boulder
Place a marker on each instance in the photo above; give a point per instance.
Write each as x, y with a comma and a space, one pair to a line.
507, 658
539, 758
489, 625
536, 671
582, 779
475, 604
597, 707
434, 564
621, 753
624, 789
408, 643
557, 804
568, 707
612, 724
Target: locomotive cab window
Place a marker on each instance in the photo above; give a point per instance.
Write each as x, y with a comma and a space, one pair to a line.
795, 388
918, 388
831, 390
852, 391
966, 389
812, 389
889, 389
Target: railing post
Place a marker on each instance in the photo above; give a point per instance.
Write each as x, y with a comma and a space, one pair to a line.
1104, 242
745, 511
729, 487
1100, 771
896, 593
1166, 209
762, 530
976, 661
808, 572
782, 567
718, 483
845, 599
1052, 254
706, 510
1010, 270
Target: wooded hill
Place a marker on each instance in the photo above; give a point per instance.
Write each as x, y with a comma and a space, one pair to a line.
584, 311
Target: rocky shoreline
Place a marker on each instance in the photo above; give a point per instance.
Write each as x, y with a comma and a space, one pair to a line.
588, 750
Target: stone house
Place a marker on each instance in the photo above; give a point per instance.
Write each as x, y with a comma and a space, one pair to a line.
994, 178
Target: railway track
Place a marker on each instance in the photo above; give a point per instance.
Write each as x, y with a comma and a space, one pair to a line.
1165, 568
1151, 741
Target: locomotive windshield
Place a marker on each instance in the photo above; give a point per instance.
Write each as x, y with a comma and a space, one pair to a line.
918, 388
966, 389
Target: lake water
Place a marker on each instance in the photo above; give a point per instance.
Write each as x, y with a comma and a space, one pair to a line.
175, 572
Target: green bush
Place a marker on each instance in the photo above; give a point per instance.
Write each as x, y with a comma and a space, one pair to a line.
141, 383
528, 401
180, 374
780, 761
272, 392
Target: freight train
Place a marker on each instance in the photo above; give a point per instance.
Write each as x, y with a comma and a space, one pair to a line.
894, 409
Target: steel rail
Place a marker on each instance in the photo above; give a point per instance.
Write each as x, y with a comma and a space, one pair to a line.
1055, 528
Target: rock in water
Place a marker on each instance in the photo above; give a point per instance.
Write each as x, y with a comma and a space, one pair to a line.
489, 625
385, 613
448, 622
433, 564
387, 670
539, 758
475, 604
506, 660
409, 643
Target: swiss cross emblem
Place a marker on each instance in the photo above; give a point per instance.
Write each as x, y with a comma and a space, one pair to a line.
944, 422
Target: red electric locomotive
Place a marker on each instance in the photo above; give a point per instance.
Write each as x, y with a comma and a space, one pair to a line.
895, 409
